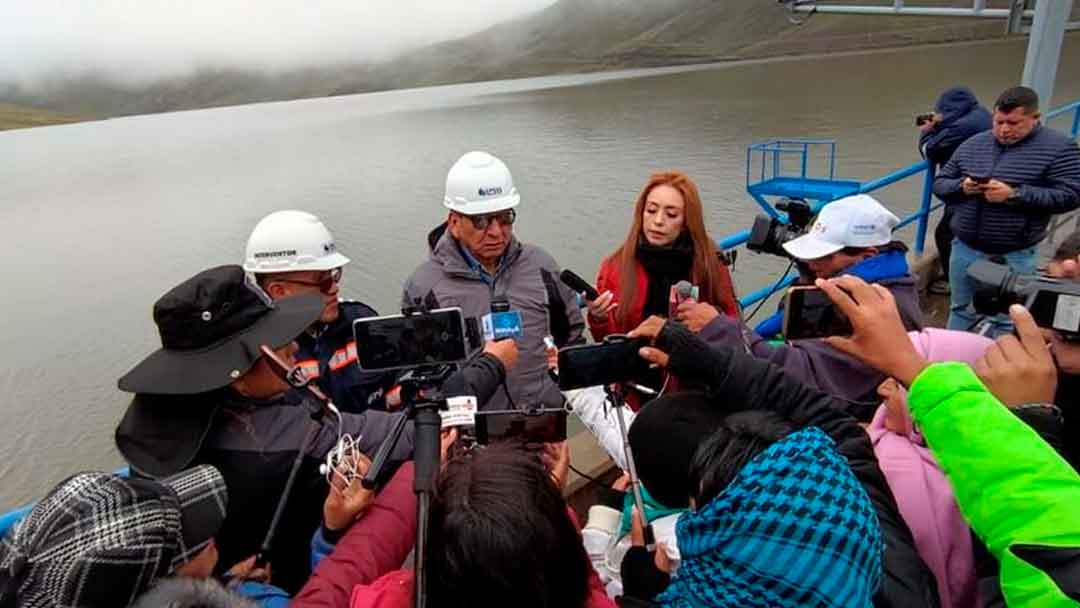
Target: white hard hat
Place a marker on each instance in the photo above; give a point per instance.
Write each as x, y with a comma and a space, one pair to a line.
479, 183
853, 221
288, 241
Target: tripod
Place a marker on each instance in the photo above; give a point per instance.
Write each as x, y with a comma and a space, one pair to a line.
421, 393
617, 401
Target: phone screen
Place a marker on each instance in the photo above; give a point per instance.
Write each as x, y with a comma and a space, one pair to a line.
597, 364
403, 341
809, 313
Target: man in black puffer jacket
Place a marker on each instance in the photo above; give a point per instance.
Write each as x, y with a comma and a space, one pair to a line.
957, 116
1005, 184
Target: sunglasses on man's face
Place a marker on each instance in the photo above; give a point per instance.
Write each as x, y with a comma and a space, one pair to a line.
481, 222
325, 282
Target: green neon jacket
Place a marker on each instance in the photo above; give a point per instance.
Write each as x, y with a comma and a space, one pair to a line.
1017, 493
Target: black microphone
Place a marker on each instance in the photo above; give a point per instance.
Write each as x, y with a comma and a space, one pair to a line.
578, 284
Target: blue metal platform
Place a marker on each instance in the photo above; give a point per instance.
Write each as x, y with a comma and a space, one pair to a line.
809, 188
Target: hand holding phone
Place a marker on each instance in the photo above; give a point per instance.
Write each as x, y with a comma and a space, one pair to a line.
809, 313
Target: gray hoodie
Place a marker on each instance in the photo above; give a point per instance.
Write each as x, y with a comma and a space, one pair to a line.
528, 278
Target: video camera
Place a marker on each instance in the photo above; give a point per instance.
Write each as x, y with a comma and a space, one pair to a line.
768, 234
1054, 303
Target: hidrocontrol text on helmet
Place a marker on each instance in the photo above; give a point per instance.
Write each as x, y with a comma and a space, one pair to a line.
288, 241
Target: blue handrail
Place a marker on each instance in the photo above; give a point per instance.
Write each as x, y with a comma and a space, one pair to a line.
922, 216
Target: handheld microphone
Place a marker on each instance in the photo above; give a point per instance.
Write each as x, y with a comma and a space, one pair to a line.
578, 284
501, 323
681, 292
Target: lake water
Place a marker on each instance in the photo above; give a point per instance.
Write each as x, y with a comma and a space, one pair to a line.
102, 218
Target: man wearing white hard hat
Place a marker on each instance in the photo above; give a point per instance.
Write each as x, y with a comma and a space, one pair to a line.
852, 235
477, 262
293, 253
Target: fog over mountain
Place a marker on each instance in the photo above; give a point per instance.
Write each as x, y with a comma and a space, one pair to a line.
137, 41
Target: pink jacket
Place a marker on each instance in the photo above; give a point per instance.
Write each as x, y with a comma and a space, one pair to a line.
362, 571
925, 498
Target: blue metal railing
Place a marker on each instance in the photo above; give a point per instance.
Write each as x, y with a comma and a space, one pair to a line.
922, 216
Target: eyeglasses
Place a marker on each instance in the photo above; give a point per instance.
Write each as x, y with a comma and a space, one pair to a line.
325, 282
481, 222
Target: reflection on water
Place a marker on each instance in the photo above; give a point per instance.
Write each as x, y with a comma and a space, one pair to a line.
104, 217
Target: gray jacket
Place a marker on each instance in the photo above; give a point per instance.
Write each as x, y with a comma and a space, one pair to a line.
529, 278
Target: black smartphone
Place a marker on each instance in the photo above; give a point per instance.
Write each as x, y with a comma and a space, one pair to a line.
616, 359
548, 426
980, 179
406, 341
809, 313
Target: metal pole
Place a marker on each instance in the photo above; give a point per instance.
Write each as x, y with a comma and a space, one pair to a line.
1076, 123
924, 210
1044, 47
979, 5
1016, 17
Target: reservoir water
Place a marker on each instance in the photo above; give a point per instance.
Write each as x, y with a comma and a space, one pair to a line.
102, 218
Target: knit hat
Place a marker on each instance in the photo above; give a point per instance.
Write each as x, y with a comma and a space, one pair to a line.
101, 540
664, 436
794, 528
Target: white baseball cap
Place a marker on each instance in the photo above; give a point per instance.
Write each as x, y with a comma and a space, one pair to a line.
853, 221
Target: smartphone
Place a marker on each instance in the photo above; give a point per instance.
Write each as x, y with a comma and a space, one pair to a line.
616, 359
548, 426
809, 313
392, 342
980, 179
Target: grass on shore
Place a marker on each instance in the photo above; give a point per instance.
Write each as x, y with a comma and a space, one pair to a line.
22, 117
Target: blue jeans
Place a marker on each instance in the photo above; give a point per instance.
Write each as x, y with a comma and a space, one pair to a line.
961, 315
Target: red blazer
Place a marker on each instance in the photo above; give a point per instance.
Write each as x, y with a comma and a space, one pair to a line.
608, 279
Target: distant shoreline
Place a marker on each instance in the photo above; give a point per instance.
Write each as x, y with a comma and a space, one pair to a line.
24, 117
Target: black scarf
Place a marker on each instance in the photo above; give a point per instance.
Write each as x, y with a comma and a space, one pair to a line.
664, 266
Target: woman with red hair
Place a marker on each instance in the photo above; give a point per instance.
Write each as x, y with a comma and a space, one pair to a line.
667, 243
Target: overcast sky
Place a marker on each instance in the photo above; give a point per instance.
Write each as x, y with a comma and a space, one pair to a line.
135, 40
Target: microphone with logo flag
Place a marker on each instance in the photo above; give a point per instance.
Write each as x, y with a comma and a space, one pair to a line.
501, 323
681, 292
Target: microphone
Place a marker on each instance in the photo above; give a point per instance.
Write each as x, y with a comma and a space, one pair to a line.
682, 291
578, 284
501, 323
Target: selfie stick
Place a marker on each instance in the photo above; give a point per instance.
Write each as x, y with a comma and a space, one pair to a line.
615, 397
295, 377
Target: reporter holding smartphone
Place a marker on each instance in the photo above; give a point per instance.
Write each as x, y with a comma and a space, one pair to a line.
1016, 492
852, 235
1004, 186
957, 116
209, 396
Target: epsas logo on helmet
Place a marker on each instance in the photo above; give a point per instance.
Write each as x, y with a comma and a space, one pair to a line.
490, 191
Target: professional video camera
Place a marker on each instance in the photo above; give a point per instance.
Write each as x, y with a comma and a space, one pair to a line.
1054, 303
769, 234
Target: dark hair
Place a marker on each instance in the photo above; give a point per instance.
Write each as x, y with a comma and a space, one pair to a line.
739, 439
501, 535
1018, 97
1069, 248
890, 246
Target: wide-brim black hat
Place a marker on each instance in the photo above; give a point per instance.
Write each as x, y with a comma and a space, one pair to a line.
211, 327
